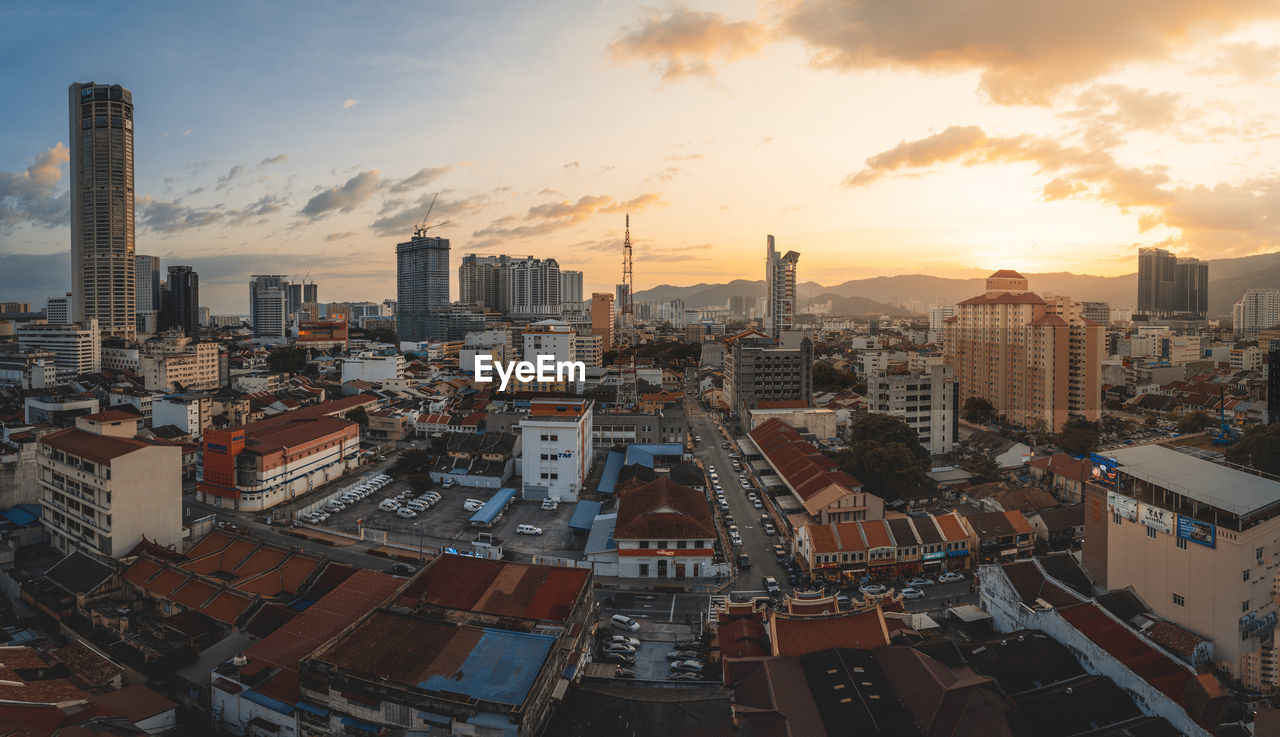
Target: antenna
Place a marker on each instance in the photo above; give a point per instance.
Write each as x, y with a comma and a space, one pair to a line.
628, 390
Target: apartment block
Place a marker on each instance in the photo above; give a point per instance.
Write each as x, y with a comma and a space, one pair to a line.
927, 400
1034, 360
103, 490
174, 361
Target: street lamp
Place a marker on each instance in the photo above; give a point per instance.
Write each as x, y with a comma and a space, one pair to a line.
418, 532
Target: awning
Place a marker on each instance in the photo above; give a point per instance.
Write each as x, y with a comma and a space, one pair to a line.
434, 718
318, 711
361, 725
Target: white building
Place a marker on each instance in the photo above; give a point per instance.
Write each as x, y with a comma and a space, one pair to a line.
120, 358
590, 350
175, 361
557, 448
492, 343
1257, 310
103, 490
374, 367
925, 399
190, 413
57, 310
32, 368
77, 347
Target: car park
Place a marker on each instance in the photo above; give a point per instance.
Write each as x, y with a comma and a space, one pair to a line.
406, 513
950, 577
528, 530
910, 593
918, 582
873, 589
624, 623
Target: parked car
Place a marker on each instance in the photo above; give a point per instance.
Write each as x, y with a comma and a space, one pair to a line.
692, 666
687, 645
618, 658
684, 676
624, 673
528, 530
769, 529
624, 623
624, 640
771, 585
735, 540
873, 589
402, 569
757, 504
918, 582
472, 505
910, 593
406, 513
950, 577
618, 647
779, 552
675, 655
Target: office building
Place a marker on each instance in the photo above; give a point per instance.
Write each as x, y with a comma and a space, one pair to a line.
1257, 310
58, 310
422, 287
925, 399
268, 306
322, 334
374, 367
760, 374
103, 491
257, 466
77, 347
180, 308
146, 279
570, 289
1099, 312
1197, 542
1169, 286
780, 290
557, 444
102, 214
602, 317
1032, 359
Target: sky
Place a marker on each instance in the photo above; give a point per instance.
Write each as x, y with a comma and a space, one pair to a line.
875, 137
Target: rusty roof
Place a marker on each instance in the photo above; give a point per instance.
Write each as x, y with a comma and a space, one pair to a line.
802, 635
663, 510
97, 448
502, 588
803, 466
1149, 664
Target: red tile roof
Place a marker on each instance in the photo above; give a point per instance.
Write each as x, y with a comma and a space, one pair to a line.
877, 535
1165, 674
1006, 274
135, 703
663, 510
803, 466
501, 588
952, 528
804, 635
1005, 298
112, 415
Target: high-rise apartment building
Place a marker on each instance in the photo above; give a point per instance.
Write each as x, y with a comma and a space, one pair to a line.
1257, 310
301, 295
924, 399
58, 310
102, 215
780, 290
1099, 312
1032, 359
146, 280
1170, 286
519, 284
938, 316
180, 307
269, 305
602, 317
422, 286
571, 288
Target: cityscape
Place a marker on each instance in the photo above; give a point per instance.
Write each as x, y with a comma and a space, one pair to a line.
480, 427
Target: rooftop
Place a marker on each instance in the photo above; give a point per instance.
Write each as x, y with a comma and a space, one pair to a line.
803, 635
663, 509
97, 448
1225, 488
500, 588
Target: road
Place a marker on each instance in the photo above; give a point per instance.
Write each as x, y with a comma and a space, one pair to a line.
757, 545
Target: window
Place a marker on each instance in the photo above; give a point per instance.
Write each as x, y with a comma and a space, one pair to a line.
1244, 607
1179, 600
680, 544
1244, 575
1115, 518
644, 569
644, 544
1257, 554
1182, 543
1151, 532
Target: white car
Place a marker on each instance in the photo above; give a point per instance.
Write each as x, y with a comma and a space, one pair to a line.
416, 506
406, 513
624, 640
757, 504
872, 589
950, 577
736, 540
624, 623
472, 505
388, 505
528, 530
910, 593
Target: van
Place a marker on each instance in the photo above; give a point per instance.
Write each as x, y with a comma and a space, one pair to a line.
624, 623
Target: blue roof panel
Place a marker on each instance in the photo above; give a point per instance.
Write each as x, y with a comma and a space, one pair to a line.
583, 515
500, 668
272, 704
609, 477
489, 512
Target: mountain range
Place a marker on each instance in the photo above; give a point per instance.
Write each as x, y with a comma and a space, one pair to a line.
1228, 279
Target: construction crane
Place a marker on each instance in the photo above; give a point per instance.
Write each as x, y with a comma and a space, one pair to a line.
628, 389
421, 229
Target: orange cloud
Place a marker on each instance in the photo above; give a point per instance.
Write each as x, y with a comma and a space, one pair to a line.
685, 42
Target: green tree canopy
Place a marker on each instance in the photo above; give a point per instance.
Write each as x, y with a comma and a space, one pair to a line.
1079, 436
1195, 422
978, 410
1259, 448
885, 455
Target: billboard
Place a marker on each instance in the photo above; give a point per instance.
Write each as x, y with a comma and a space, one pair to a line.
1156, 518
1102, 470
1122, 505
1197, 531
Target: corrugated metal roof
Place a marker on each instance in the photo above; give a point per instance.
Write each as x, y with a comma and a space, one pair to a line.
500, 668
583, 515
612, 467
493, 507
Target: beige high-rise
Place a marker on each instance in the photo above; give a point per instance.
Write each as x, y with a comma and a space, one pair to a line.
102, 216
1032, 359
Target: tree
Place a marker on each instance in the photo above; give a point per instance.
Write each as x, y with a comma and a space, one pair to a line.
1195, 422
978, 410
829, 378
359, 416
1079, 436
885, 455
412, 462
1259, 449
886, 430
984, 469
290, 360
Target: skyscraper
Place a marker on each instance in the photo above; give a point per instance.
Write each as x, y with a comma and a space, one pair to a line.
102, 217
570, 287
146, 273
1170, 286
268, 305
301, 295
1257, 310
780, 290
181, 307
422, 285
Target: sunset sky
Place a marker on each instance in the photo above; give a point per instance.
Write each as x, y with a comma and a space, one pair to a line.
877, 137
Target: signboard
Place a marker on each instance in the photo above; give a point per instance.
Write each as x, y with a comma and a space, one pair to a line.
1197, 532
1156, 518
938, 555
1102, 470
1122, 505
